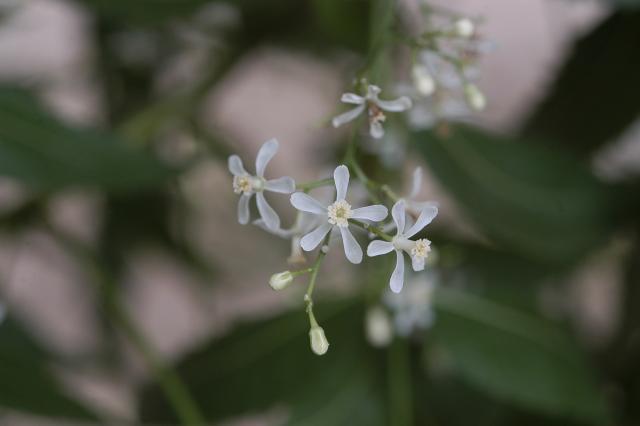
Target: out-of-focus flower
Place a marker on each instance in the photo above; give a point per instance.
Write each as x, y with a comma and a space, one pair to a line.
417, 250
247, 185
423, 80
375, 107
336, 215
464, 27
379, 330
412, 309
305, 223
475, 98
319, 342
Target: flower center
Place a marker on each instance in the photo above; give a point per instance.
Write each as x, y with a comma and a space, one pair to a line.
375, 114
247, 184
339, 213
421, 248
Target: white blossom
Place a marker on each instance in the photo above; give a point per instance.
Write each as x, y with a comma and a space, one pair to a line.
247, 185
475, 98
412, 310
417, 250
305, 223
423, 80
375, 108
336, 216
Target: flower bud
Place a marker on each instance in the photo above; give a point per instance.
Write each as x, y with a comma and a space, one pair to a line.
378, 327
422, 80
464, 27
475, 98
319, 343
281, 280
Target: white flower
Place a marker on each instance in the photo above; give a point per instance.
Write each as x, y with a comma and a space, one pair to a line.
304, 224
417, 250
247, 185
319, 342
412, 309
336, 215
375, 108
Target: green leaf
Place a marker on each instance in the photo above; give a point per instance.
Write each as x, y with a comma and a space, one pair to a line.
26, 383
595, 96
517, 357
269, 364
539, 203
45, 154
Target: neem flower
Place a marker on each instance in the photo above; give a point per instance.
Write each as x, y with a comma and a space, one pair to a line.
247, 185
336, 215
375, 108
417, 250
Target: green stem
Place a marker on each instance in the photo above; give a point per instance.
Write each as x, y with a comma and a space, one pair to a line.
308, 186
373, 229
400, 392
175, 390
308, 297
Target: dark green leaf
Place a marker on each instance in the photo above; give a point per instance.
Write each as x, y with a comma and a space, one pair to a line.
25, 381
595, 96
269, 364
541, 204
45, 154
516, 356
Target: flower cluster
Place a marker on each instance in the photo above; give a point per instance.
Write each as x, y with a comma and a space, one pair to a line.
443, 66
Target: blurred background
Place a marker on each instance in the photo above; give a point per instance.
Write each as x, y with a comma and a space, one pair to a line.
124, 272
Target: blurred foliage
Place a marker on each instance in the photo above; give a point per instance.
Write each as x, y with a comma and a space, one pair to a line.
26, 382
493, 357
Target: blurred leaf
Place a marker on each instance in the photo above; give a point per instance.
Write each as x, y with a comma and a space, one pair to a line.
595, 96
145, 11
343, 22
25, 381
539, 203
269, 364
516, 357
45, 154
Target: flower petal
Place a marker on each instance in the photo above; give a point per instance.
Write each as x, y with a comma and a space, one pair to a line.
399, 216
403, 103
376, 130
282, 233
348, 116
307, 203
379, 247
417, 263
267, 213
283, 185
397, 277
352, 98
352, 249
375, 213
341, 179
416, 183
235, 166
243, 209
266, 153
425, 218
315, 237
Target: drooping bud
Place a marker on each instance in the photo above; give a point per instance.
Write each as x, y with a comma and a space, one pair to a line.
319, 343
281, 280
423, 81
464, 27
379, 331
475, 98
